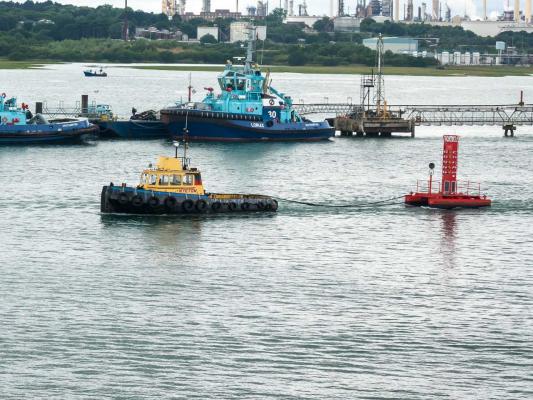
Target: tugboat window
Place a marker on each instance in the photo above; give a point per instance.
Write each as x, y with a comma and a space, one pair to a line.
164, 180
189, 179
176, 180
153, 179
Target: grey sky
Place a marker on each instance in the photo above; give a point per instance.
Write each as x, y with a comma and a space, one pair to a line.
317, 7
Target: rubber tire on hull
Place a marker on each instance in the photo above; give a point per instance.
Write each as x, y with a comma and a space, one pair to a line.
153, 202
245, 206
216, 206
200, 206
232, 207
123, 198
171, 203
187, 206
137, 201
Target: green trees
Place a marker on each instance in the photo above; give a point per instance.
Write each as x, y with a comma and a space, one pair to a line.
208, 39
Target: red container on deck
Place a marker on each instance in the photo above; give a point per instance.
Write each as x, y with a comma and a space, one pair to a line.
451, 194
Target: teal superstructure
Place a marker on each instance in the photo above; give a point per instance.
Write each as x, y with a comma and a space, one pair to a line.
247, 108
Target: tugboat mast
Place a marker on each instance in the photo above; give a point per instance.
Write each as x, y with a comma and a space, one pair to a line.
250, 49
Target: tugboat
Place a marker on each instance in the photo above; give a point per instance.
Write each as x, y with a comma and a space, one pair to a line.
451, 193
247, 109
173, 187
89, 73
19, 126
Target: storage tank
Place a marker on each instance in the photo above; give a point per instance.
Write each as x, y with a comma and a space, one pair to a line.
445, 58
467, 58
457, 58
475, 58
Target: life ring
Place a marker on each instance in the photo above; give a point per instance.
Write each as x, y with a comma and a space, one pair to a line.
271, 102
137, 201
201, 205
245, 206
232, 206
153, 201
170, 202
187, 205
216, 206
123, 198
4, 95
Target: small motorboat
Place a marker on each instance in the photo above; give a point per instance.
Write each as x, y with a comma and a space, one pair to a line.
173, 187
451, 193
19, 126
95, 73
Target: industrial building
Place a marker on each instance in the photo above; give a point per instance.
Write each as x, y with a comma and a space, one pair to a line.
239, 31
394, 44
208, 30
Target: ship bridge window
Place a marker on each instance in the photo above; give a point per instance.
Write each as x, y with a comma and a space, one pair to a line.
176, 180
164, 180
241, 83
144, 178
188, 179
153, 179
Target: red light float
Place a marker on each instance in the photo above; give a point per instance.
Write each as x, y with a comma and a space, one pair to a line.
451, 194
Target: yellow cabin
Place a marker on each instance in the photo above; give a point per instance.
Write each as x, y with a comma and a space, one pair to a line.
172, 174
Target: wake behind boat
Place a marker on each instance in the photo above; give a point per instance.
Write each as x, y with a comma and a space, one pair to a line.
247, 109
19, 126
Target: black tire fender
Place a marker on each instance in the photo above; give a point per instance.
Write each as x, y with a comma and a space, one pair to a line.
232, 206
200, 205
123, 198
137, 201
260, 205
170, 202
216, 206
154, 201
187, 205
245, 206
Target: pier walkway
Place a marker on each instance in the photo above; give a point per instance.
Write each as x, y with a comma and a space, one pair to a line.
508, 116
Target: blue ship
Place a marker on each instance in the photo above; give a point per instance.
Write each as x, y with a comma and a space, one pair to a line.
19, 126
145, 125
247, 109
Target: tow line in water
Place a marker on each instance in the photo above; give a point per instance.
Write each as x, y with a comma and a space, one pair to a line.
386, 202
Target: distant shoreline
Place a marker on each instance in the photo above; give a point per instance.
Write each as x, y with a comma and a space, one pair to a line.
480, 71
363, 69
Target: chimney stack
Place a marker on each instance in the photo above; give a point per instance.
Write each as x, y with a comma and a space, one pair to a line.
516, 10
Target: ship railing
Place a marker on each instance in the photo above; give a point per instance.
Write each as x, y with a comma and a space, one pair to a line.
461, 187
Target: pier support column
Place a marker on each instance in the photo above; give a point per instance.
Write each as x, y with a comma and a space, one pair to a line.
413, 131
39, 107
84, 104
509, 130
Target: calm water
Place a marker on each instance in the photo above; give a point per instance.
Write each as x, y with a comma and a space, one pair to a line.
375, 302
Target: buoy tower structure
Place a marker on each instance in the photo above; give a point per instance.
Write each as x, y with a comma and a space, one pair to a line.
450, 193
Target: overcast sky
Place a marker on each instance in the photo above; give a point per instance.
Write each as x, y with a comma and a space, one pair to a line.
315, 7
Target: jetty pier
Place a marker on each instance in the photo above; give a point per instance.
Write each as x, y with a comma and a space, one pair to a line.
351, 119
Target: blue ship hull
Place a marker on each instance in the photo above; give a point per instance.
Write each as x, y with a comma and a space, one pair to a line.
134, 129
227, 130
58, 132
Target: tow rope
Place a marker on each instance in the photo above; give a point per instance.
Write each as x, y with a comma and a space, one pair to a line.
306, 203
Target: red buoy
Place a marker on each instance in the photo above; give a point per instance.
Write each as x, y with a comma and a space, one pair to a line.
451, 193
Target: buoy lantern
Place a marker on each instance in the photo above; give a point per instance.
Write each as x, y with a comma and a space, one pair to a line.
450, 193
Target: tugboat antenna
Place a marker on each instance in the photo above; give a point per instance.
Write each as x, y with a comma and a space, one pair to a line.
250, 49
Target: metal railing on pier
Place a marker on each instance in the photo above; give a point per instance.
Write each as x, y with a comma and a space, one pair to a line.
503, 115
